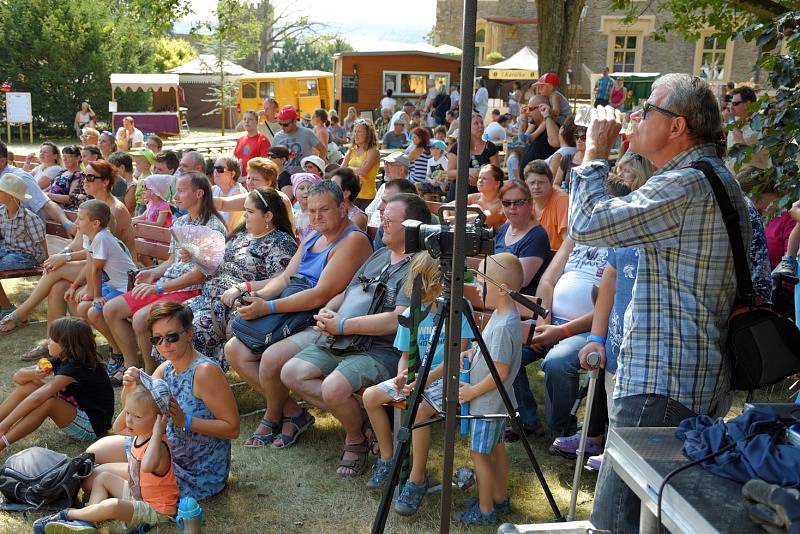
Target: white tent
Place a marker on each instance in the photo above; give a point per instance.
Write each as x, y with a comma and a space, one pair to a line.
204, 67
523, 65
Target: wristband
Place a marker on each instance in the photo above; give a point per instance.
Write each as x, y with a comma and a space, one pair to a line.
159, 287
187, 424
565, 328
248, 286
271, 305
596, 339
341, 326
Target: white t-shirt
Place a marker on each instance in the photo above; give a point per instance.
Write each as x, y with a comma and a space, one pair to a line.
105, 246
237, 189
454, 99
572, 296
436, 165
388, 102
481, 101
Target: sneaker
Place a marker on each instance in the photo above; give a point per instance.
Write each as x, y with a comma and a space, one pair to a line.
499, 507
410, 497
380, 474
568, 446
474, 516
532, 432
594, 462
115, 363
116, 378
786, 268
69, 526
39, 524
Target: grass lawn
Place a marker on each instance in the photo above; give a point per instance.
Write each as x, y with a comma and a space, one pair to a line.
297, 490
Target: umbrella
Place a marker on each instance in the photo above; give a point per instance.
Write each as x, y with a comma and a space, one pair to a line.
205, 245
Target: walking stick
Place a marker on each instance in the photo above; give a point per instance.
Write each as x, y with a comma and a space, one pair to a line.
593, 359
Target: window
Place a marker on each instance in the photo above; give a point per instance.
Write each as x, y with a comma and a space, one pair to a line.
248, 90
624, 58
266, 90
413, 83
307, 88
480, 46
712, 57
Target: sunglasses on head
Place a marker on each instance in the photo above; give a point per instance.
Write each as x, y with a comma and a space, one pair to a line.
517, 203
220, 168
172, 337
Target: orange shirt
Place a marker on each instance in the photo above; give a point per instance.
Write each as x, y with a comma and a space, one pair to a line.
160, 492
553, 217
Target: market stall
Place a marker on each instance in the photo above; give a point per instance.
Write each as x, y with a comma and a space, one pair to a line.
164, 117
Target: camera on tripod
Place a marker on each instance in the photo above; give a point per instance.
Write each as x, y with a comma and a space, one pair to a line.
438, 239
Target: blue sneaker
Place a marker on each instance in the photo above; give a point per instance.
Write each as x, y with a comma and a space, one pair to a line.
410, 497
115, 363
380, 474
69, 526
499, 507
39, 524
474, 516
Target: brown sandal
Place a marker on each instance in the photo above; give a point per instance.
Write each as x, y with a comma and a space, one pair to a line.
359, 464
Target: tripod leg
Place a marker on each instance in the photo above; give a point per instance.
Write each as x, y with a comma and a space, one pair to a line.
513, 417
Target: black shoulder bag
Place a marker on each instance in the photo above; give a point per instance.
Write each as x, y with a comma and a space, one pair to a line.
763, 347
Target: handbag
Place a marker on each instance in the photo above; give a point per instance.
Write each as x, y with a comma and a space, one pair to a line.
258, 334
763, 347
368, 297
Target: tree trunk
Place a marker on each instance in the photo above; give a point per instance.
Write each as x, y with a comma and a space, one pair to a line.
558, 23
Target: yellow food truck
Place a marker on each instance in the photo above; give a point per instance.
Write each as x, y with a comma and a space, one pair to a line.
306, 90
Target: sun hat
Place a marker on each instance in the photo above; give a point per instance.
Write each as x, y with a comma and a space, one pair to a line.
144, 152
438, 143
398, 157
288, 113
13, 185
300, 177
159, 390
314, 160
494, 132
551, 78
159, 184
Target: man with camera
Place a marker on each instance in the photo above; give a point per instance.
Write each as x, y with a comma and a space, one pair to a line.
355, 348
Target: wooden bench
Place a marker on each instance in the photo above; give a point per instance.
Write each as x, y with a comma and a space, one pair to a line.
152, 241
55, 228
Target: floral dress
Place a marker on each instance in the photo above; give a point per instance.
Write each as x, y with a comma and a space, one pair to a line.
61, 186
245, 259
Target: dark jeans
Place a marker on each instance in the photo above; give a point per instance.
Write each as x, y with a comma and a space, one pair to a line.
526, 403
616, 507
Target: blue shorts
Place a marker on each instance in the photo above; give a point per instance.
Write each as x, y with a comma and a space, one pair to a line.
11, 260
108, 293
485, 434
80, 428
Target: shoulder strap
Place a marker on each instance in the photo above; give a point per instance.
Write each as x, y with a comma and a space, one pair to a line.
731, 218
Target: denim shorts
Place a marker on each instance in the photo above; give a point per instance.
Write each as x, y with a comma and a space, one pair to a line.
11, 260
108, 293
80, 428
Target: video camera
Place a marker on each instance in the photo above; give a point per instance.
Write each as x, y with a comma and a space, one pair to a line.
438, 239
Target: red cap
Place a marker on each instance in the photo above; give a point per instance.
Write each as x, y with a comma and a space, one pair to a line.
287, 113
551, 78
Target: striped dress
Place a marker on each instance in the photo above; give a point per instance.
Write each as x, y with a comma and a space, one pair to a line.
419, 167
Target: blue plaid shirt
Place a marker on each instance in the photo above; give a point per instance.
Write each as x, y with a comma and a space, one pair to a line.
603, 86
675, 326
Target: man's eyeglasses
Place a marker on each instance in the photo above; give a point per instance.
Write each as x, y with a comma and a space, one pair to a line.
91, 177
220, 168
518, 203
648, 106
387, 222
581, 138
172, 337
736, 102
284, 124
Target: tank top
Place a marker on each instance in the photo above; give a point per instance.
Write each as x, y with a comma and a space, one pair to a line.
160, 492
201, 462
565, 110
313, 263
419, 167
368, 181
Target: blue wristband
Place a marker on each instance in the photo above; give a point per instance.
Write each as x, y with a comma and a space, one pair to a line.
341, 326
159, 287
596, 339
271, 305
187, 424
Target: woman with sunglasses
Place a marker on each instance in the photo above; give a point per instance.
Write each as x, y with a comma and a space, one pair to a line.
49, 164
226, 184
67, 188
570, 161
364, 158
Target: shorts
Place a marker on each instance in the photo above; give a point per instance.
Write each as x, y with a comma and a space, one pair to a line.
108, 293
80, 428
143, 514
11, 260
136, 303
428, 187
485, 434
360, 369
305, 338
433, 394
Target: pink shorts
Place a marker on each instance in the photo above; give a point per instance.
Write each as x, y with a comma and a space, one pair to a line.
136, 304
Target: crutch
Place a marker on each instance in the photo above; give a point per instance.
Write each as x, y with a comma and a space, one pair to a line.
593, 360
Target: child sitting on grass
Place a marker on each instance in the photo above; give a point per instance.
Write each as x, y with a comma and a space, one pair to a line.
395, 389
504, 341
149, 495
79, 398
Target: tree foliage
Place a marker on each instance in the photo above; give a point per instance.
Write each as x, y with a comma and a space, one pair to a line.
171, 52
63, 51
308, 53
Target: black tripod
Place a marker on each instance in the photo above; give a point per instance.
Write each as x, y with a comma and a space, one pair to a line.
450, 412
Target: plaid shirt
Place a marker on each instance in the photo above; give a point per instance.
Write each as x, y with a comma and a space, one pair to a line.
675, 325
23, 232
603, 86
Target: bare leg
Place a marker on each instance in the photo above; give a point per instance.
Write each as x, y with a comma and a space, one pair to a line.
116, 313
420, 444
109, 455
273, 361
244, 361
4, 302
67, 272
60, 411
18, 395
374, 400
105, 502
139, 323
96, 319
337, 393
56, 305
501, 466
485, 476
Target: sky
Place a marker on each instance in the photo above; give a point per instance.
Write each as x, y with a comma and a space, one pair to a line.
365, 24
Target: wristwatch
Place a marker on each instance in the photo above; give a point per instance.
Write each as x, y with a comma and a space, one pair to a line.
68, 255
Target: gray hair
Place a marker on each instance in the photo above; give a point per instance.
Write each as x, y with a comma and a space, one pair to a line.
692, 98
327, 186
196, 158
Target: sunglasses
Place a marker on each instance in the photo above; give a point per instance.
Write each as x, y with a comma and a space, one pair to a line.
172, 337
648, 106
91, 177
220, 168
736, 102
581, 138
284, 124
518, 203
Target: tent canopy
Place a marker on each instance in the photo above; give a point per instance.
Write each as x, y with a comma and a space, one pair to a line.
524, 64
145, 82
207, 64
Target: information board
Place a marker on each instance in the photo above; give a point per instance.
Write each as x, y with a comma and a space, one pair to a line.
18, 108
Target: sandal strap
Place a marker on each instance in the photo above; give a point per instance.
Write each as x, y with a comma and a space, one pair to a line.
298, 421
356, 448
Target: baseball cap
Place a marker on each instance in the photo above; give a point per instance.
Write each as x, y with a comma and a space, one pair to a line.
158, 389
279, 151
287, 113
397, 157
551, 78
438, 143
306, 116
144, 152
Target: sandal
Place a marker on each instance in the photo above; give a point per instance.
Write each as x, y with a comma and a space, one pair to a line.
301, 423
257, 441
372, 439
15, 323
359, 464
34, 355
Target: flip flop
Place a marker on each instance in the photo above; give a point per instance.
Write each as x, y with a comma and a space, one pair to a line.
258, 441
301, 423
11, 318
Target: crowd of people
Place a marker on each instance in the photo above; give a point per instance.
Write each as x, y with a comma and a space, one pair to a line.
632, 260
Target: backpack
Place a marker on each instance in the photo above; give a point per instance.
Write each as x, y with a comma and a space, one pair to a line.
38, 478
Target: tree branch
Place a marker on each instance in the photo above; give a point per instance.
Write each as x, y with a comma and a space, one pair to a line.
762, 8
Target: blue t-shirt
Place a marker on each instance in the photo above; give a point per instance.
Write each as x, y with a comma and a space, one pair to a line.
626, 263
402, 340
533, 244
